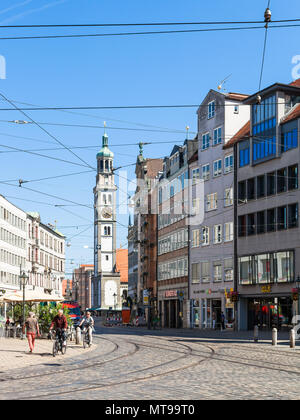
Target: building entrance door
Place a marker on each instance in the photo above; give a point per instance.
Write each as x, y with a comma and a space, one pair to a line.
173, 314
166, 314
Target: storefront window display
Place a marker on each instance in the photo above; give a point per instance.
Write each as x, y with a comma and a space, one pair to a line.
270, 313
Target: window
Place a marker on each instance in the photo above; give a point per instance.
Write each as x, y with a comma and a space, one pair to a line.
261, 186
196, 238
218, 167
228, 232
242, 225
263, 268
205, 141
271, 185
284, 266
236, 109
205, 172
271, 220
205, 236
245, 270
289, 140
228, 269
228, 164
244, 153
228, 197
242, 191
211, 202
195, 273
195, 175
217, 234
217, 136
293, 177
260, 222
205, 272
211, 109
217, 271
251, 189
251, 228
281, 180
293, 215
282, 218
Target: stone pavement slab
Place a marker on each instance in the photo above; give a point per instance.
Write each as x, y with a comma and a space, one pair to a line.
14, 353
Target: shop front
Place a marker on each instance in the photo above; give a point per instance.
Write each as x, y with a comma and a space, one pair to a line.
172, 309
272, 312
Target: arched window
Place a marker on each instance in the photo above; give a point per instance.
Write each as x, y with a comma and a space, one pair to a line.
109, 198
101, 165
104, 198
106, 164
105, 230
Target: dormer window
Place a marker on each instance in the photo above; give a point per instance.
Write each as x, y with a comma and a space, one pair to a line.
211, 109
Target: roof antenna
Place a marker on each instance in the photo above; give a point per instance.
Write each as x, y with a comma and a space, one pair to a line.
223, 82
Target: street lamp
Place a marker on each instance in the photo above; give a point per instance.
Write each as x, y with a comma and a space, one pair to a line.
23, 281
298, 288
115, 305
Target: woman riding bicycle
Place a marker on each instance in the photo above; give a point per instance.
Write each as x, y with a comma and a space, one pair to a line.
88, 322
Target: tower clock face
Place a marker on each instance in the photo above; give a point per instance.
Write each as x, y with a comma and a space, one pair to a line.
107, 213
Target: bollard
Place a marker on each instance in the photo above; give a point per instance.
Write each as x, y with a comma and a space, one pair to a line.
255, 334
292, 338
274, 337
78, 335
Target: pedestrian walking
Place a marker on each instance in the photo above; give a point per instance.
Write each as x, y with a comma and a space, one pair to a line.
32, 330
214, 320
223, 320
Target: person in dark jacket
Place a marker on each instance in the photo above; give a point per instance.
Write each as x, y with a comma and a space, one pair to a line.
60, 323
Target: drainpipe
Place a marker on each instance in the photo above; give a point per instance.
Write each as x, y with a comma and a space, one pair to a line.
235, 224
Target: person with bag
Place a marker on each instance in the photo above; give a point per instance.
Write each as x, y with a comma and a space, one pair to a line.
32, 330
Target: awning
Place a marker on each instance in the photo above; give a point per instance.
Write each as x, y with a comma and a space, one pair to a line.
30, 296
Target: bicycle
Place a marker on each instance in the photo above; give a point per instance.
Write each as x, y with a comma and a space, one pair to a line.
58, 343
86, 338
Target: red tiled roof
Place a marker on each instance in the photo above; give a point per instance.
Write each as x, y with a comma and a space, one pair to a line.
236, 96
293, 114
243, 132
296, 83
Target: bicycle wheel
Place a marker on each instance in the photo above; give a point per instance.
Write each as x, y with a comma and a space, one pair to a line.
55, 349
63, 349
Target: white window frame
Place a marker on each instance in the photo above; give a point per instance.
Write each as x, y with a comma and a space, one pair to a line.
206, 173
228, 232
205, 144
228, 197
217, 172
228, 168
211, 109
218, 234
211, 202
205, 235
217, 136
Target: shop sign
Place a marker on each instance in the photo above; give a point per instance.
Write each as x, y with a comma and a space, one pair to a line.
146, 297
266, 289
171, 293
180, 294
295, 294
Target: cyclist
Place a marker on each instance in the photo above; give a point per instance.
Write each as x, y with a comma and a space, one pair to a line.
60, 325
88, 322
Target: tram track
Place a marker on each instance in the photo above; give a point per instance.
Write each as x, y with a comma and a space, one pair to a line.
96, 385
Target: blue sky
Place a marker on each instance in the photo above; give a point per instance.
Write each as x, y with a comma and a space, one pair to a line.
156, 69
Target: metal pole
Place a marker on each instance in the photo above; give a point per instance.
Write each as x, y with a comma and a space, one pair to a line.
292, 338
23, 319
235, 244
274, 337
255, 334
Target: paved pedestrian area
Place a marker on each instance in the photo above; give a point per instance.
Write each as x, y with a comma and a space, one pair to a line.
14, 353
132, 363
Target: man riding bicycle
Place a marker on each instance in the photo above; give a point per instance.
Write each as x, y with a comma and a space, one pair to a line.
88, 322
60, 325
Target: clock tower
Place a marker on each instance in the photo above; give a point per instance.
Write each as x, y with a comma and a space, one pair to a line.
106, 282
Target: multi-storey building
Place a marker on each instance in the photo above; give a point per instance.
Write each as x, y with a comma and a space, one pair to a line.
13, 247
45, 256
27, 245
132, 261
267, 209
82, 286
211, 247
122, 268
147, 172
173, 237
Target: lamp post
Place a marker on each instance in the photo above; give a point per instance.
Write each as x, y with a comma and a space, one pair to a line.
115, 305
23, 281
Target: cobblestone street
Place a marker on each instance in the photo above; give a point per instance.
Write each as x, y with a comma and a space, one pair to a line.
140, 364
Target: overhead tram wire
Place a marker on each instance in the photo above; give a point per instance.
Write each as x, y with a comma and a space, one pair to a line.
15, 38
90, 25
44, 130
